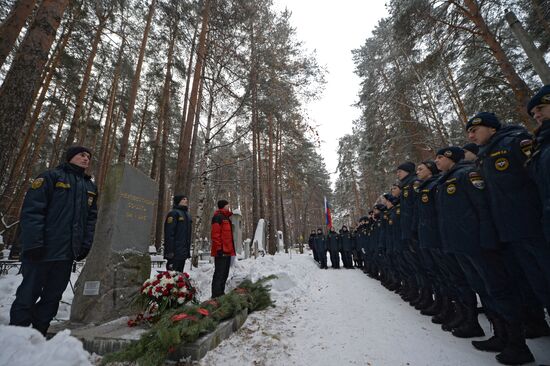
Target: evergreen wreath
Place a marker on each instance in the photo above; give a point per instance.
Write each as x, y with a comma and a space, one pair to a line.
187, 323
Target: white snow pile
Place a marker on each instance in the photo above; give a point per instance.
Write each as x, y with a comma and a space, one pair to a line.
26, 346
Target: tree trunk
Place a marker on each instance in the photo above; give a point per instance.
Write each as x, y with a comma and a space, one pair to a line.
270, 176
55, 152
519, 87
75, 122
103, 164
180, 169
137, 146
135, 86
192, 155
11, 26
83, 131
165, 116
183, 155
24, 75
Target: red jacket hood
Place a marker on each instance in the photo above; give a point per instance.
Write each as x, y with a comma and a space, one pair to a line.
223, 211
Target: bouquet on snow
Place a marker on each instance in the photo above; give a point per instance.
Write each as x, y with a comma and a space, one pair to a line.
167, 290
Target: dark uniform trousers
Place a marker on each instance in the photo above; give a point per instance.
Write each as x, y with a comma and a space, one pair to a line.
47, 280
487, 274
221, 272
533, 256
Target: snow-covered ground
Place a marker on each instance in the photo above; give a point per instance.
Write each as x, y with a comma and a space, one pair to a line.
322, 317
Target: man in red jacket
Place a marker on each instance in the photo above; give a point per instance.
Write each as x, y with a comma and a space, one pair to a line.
223, 247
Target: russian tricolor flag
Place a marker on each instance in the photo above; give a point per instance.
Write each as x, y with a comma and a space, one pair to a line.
328, 216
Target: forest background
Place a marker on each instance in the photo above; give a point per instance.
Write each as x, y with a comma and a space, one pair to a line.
207, 98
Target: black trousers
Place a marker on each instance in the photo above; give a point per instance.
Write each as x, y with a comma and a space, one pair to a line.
44, 280
221, 272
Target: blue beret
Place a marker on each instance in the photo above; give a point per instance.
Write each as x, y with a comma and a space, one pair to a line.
542, 97
487, 119
454, 153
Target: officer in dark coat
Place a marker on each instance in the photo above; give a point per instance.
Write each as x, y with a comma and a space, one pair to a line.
333, 245
177, 234
346, 244
502, 156
321, 248
406, 175
539, 162
311, 243
58, 220
467, 230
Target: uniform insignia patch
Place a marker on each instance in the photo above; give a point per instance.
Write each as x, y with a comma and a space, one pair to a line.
398, 211
545, 99
90, 200
479, 183
180, 218
390, 222
501, 164
477, 121
37, 183
451, 189
169, 220
406, 193
416, 185
425, 198
62, 185
448, 154
526, 146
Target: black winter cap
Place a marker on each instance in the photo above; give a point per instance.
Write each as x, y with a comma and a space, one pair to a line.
471, 147
407, 166
454, 153
542, 97
222, 204
487, 119
430, 164
178, 198
75, 150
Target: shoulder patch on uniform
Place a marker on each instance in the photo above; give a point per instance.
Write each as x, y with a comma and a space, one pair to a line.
526, 146
477, 180
425, 198
37, 183
169, 220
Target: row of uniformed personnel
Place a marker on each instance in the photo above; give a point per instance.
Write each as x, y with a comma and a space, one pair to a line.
466, 225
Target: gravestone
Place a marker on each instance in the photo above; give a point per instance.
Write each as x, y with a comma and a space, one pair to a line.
119, 261
236, 220
260, 236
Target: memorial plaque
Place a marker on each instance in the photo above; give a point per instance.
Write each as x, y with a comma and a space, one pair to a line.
91, 288
119, 261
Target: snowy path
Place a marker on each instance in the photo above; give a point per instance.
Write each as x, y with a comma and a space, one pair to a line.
322, 318
343, 317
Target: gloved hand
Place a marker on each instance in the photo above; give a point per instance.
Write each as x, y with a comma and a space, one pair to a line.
35, 254
82, 254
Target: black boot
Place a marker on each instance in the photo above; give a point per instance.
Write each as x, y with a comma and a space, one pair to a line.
445, 313
470, 327
427, 300
434, 308
537, 329
455, 320
497, 342
516, 351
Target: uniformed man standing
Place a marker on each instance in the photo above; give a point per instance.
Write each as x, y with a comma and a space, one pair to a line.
467, 230
57, 227
502, 156
321, 248
539, 163
177, 234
